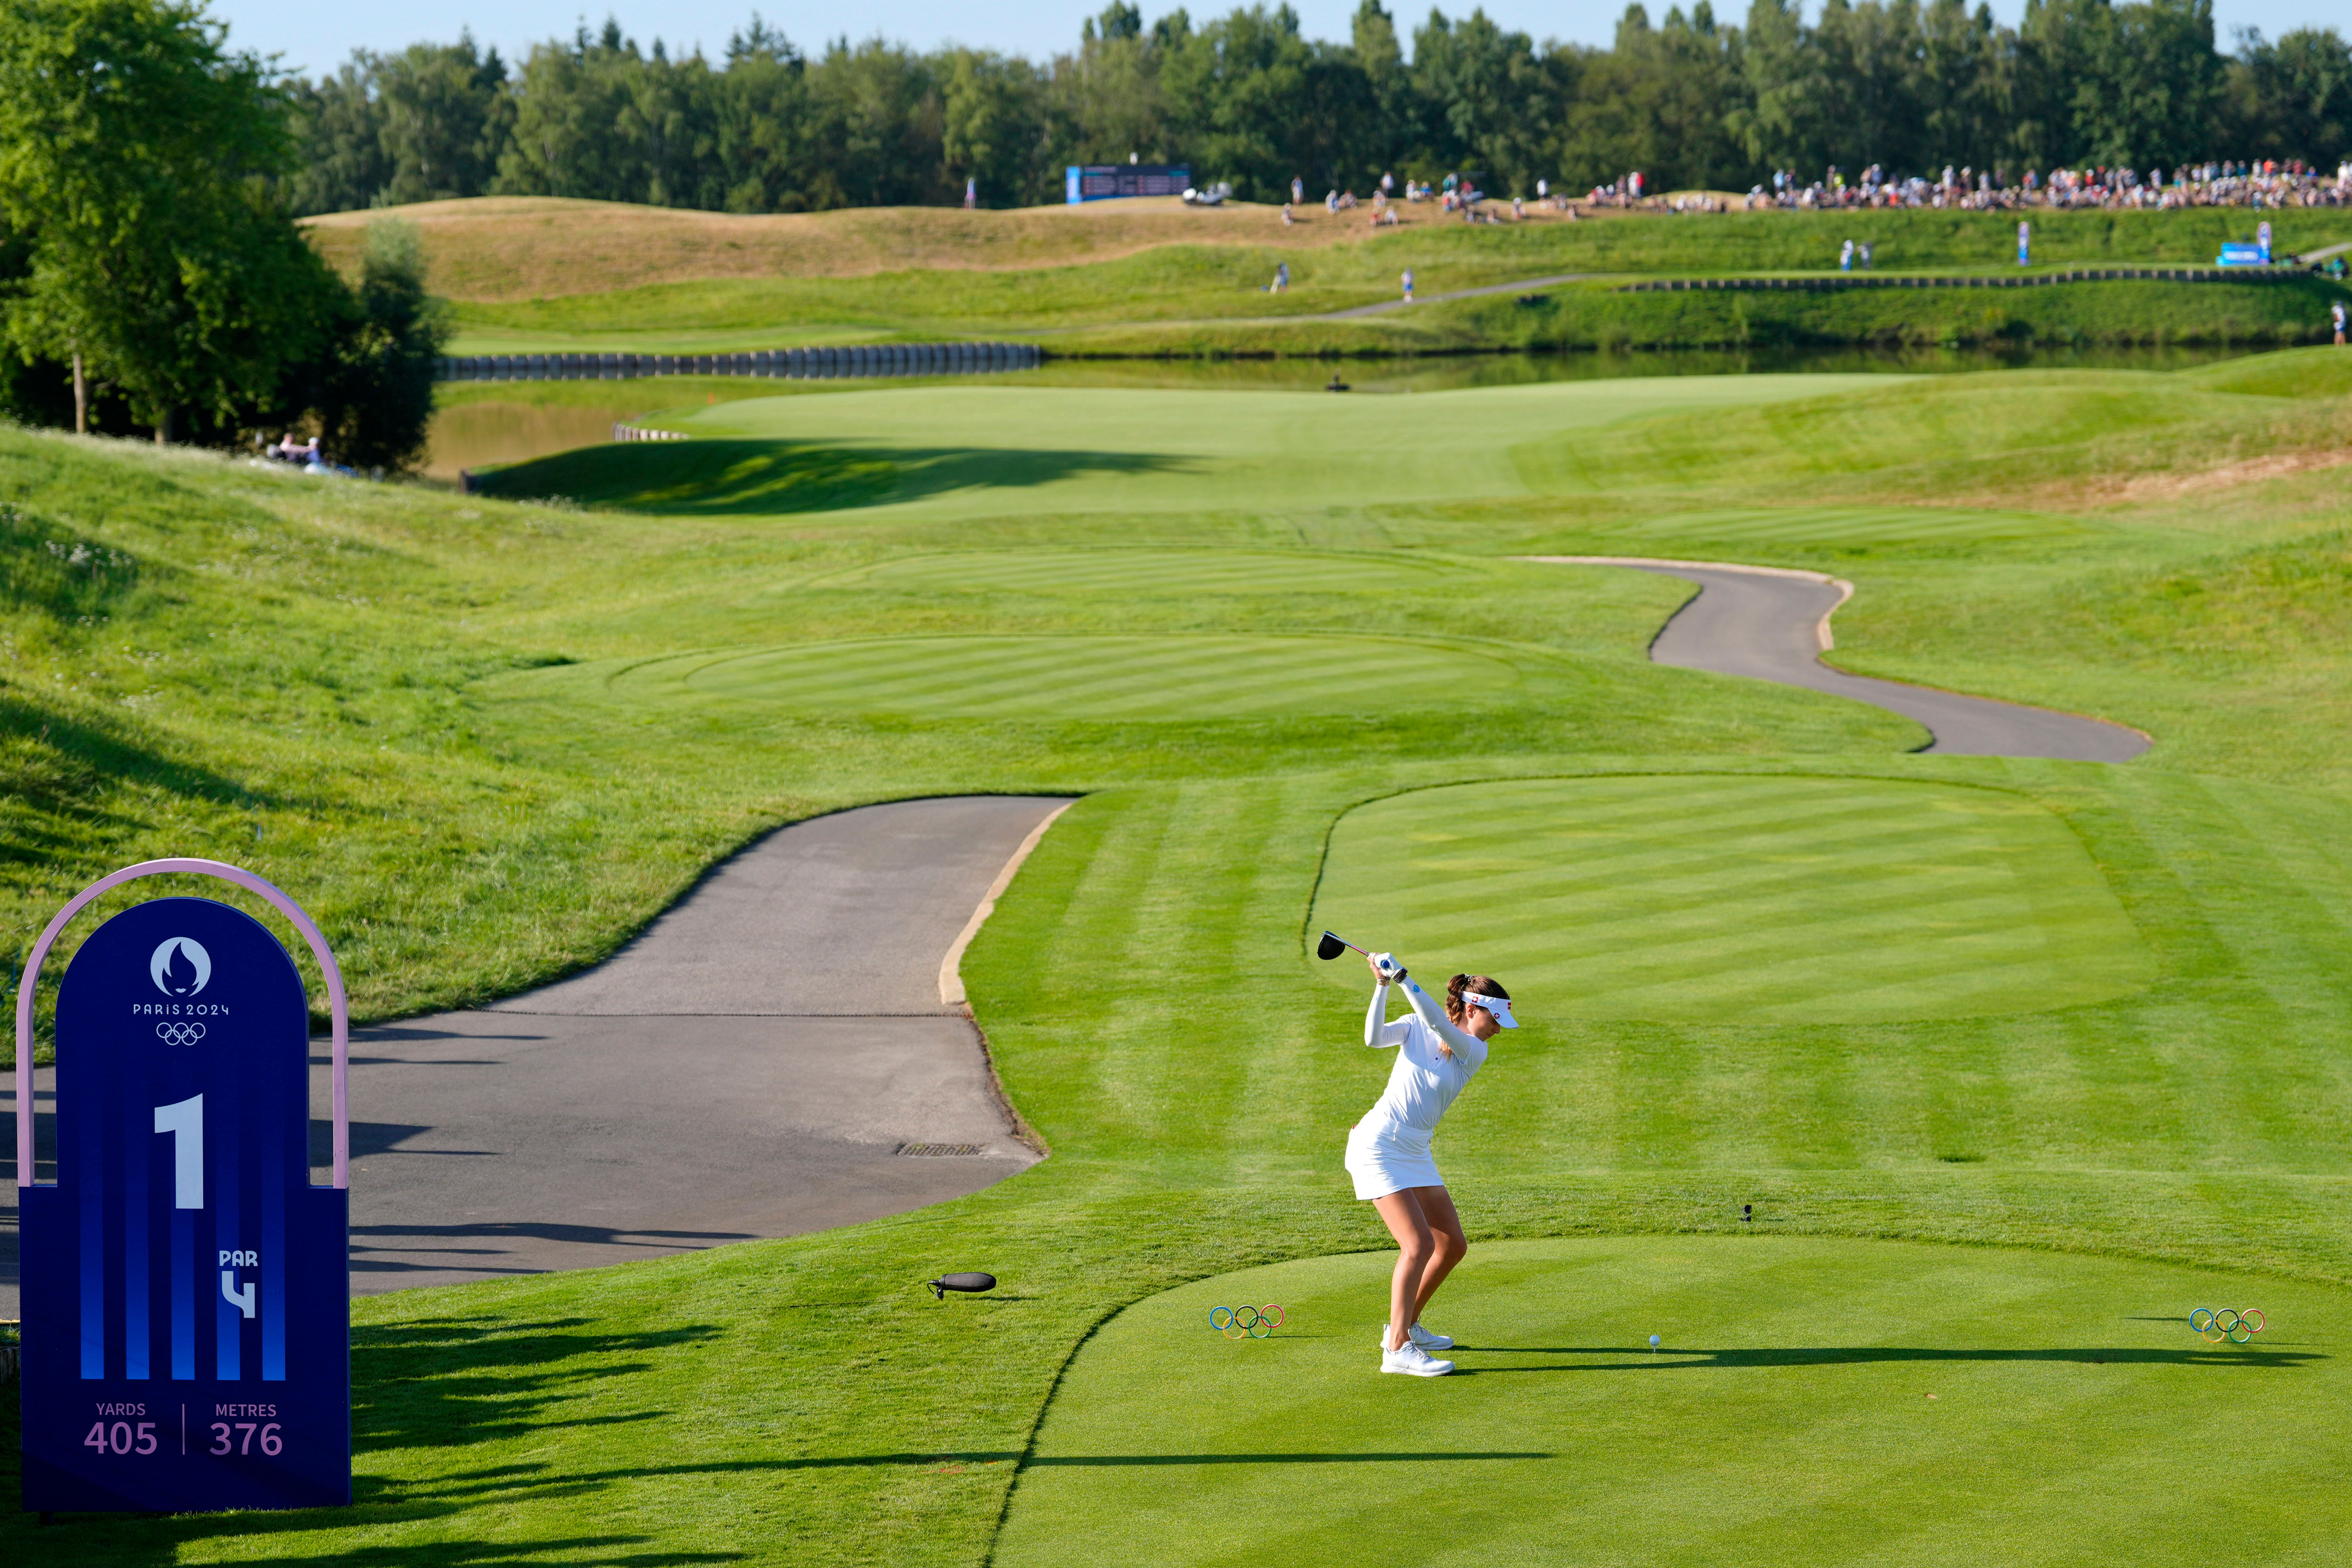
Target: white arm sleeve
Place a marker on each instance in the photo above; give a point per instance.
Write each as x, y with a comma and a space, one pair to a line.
1433, 1013
1379, 1033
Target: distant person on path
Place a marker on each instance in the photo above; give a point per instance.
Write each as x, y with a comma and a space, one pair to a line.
2339, 309
1281, 278
1298, 189
1286, 218
1845, 258
1388, 184
2335, 310
1438, 1050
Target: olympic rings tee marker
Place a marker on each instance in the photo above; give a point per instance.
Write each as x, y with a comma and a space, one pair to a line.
1424, 1083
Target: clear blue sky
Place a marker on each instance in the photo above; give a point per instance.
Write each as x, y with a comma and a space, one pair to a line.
312, 38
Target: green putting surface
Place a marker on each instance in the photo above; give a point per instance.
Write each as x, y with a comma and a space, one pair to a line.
1721, 899
1814, 1402
1125, 572
989, 450
1175, 676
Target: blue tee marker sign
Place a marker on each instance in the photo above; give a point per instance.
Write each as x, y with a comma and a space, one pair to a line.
187, 1290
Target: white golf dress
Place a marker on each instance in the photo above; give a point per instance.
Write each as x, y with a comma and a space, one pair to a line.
1388, 1151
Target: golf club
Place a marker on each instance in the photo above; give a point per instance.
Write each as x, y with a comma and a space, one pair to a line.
1333, 946
972, 1283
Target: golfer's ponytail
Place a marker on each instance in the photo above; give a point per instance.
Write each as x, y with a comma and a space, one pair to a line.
1457, 1009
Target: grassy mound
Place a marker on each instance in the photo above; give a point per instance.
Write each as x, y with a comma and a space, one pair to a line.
1812, 1403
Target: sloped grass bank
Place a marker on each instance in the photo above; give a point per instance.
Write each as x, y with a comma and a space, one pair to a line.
1590, 316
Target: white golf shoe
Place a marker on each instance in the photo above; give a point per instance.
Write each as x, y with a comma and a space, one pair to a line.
1413, 1362
1421, 1337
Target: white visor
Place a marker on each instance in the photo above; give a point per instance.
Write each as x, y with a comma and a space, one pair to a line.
1498, 1006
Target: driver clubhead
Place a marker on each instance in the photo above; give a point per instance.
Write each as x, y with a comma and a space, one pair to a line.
969, 1283
1329, 947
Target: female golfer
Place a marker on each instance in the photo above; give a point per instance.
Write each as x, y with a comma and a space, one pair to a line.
1388, 1151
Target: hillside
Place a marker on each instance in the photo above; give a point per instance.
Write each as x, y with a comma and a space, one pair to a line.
521, 247
506, 250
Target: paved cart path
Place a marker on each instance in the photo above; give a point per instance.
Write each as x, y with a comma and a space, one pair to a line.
1772, 624
749, 1065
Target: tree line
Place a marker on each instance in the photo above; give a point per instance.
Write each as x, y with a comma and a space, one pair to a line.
1691, 101
151, 276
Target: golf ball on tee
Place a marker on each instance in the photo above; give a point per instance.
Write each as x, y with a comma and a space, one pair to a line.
1653, 1342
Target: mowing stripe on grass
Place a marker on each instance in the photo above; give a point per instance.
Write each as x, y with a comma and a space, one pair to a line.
1169, 678
1124, 571
1737, 900
1849, 527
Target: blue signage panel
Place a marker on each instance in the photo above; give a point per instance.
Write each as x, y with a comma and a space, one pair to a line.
1103, 182
187, 1290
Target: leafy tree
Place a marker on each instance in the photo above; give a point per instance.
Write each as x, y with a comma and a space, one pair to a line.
877, 124
1487, 97
761, 125
1778, 116
137, 155
2293, 99
1689, 101
343, 165
1106, 102
1232, 90
442, 119
372, 389
994, 128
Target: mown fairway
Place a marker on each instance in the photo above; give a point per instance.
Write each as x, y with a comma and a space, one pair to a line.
2074, 1034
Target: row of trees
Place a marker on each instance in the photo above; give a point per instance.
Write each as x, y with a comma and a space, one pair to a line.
150, 274
1693, 101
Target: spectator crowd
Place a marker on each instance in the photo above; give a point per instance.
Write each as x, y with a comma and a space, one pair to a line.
2258, 185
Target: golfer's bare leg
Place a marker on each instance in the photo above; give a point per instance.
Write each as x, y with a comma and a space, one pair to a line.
1446, 1235
1401, 1212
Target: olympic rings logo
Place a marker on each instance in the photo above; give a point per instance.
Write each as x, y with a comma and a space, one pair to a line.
179, 1034
1246, 1323
2228, 1324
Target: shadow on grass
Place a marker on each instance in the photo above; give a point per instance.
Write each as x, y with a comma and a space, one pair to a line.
1107, 1461
1670, 1358
417, 1382
736, 477
437, 1383
136, 1541
58, 774
441, 1249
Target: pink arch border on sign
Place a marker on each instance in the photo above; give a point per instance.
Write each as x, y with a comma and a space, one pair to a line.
226, 873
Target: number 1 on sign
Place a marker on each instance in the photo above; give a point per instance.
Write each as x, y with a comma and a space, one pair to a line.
186, 1122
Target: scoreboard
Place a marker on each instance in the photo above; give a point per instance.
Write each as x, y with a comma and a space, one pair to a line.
1100, 181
